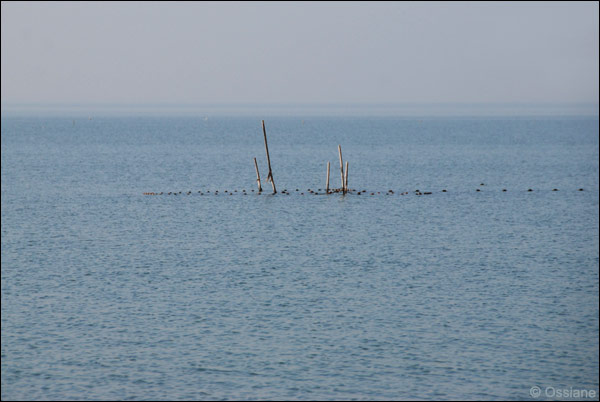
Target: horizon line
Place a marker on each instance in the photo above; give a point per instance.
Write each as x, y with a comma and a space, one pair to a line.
478, 109
293, 103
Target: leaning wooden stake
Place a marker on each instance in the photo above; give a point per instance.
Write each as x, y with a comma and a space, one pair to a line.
270, 175
346, 179
327, 185
257, 176
341, 165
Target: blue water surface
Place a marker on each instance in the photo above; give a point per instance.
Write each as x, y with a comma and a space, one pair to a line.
108, 293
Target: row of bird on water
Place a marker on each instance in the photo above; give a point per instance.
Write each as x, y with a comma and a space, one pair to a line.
314, 192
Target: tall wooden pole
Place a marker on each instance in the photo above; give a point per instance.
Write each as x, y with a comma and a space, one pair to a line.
270, 175
327, 185
257, 176
346, 179
341, 165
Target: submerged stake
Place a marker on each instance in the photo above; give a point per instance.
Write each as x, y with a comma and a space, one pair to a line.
346, 179
341, 165
257, 176
327, 185
270, 175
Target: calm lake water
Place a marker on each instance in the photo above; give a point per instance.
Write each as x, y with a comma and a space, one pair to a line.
111, 294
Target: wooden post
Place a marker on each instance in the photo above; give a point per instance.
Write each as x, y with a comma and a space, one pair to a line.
327, 185
341, 165
257, 176
346, 179
270, 175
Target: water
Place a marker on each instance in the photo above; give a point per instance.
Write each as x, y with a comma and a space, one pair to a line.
110, 294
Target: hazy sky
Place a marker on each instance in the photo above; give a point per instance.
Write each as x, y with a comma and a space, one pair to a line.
298, 52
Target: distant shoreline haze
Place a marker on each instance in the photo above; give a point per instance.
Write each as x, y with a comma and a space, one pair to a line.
302, 109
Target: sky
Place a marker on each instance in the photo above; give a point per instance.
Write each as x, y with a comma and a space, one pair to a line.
299, 53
